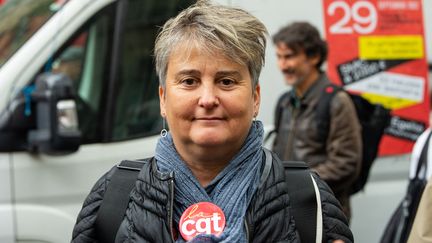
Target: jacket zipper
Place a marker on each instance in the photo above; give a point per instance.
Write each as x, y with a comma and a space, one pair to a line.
171, 209
291, 134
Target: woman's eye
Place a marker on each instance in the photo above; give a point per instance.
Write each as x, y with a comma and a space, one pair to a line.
227, 82
188, 81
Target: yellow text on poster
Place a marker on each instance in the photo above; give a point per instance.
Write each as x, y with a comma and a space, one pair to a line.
391, 47
388, 102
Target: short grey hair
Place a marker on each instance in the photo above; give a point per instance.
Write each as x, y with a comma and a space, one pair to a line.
217, 29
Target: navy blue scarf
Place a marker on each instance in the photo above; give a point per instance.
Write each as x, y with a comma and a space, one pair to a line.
232, 189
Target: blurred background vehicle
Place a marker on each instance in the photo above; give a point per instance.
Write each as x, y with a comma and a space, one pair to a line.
78, 93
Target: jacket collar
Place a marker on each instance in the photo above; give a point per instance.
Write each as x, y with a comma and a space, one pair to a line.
312, 93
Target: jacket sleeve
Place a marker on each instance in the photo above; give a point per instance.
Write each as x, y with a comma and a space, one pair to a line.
344, 145
84, 231
335, 224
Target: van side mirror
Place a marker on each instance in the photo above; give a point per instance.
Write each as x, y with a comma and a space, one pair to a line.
57, 130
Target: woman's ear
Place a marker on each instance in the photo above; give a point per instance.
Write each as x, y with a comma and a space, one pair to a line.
257, 99
162, 101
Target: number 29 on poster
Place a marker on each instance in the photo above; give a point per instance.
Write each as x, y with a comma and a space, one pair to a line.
359, 17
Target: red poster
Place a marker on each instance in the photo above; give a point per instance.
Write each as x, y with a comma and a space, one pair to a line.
376, 49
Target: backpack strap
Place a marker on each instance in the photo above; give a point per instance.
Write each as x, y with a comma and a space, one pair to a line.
279, 109
278, 114
323, 111
305, 199
116, 199
302, 189
422, 162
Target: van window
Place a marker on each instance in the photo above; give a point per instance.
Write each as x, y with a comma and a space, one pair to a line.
84, 60
137, 111
19, 20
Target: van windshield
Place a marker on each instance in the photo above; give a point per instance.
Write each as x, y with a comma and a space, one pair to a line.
19, 20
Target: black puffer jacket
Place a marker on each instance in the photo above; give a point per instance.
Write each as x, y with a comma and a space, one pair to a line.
149, 214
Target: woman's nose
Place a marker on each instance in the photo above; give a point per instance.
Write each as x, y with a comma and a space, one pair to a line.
208, 97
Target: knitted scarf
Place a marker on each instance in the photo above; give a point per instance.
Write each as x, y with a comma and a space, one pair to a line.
231, 190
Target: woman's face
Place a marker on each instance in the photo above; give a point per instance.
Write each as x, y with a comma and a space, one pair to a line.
208, 100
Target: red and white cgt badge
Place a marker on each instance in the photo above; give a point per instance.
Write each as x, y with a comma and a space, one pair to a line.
201, 218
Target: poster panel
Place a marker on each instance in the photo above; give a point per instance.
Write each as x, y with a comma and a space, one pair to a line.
377, 50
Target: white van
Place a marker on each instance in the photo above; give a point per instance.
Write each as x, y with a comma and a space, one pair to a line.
60, 133
46, 165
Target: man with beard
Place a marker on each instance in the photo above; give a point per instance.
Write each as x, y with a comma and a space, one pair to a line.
336, 158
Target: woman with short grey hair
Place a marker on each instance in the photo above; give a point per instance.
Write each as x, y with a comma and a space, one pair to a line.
211, 180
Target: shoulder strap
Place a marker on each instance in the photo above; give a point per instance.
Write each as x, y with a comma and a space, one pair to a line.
116, 200
277, 115
279, 108
323, 110
305, 200
423, 156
